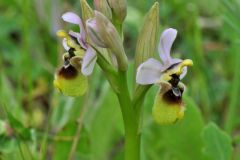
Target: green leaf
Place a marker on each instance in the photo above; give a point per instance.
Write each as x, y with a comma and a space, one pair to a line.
21, 132
67, 110
7, 144
63, 143
11, 149
106, 128
217, 143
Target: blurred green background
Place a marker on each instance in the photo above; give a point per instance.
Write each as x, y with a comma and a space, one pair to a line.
37, 122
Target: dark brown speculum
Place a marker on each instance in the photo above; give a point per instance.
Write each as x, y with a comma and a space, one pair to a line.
175, 80
68, 72
171, 98
174, 95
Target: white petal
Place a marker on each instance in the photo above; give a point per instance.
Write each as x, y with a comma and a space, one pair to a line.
149, 72
165, 44
71, 18
64, 43
175, 60
75, 19
89, 61
75, 34
170, 63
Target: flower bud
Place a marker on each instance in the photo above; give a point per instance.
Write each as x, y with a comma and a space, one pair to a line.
93, 32
119, 9
168, 106
147, 39
107, 36
103, 7
70, 82
87, 11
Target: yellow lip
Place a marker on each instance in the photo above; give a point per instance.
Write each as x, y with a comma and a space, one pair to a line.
186, 62
77, 86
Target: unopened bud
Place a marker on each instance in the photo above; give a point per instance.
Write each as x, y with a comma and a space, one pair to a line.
87, 11
107, 36
93, 32
147, 39
103, 7
119, 9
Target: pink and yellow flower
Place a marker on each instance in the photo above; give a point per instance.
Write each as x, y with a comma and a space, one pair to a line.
168, 106
79, 59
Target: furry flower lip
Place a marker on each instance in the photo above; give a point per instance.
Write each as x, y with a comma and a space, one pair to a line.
168, 106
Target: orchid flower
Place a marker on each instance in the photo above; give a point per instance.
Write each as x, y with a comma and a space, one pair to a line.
168, 106
89, 58
79, 60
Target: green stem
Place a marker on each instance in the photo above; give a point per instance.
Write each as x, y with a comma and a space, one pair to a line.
118, 81
140, 93
131, 121
234, 94
109, 71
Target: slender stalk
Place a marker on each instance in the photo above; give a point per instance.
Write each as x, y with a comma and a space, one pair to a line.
118, 81
79, 129
139, 94
131, 121
44, 143
233, 104
138, 100
109, 71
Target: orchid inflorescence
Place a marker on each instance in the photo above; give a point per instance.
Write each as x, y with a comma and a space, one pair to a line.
103, 30
100, 40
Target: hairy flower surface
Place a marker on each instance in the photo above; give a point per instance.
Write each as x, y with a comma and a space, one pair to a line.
168, 106
79, 59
